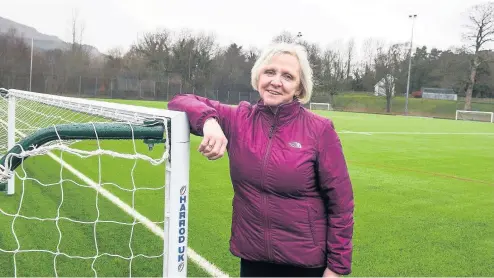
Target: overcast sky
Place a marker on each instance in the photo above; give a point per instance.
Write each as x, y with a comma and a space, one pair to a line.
118, 23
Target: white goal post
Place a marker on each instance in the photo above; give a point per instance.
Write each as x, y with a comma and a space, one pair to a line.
474, 116
320, 106
93, 144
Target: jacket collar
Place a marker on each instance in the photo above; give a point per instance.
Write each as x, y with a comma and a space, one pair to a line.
285, 112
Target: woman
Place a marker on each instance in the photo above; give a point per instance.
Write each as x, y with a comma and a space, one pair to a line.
293, 198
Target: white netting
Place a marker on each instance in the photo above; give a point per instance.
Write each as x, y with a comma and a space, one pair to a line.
57, 223
481, 116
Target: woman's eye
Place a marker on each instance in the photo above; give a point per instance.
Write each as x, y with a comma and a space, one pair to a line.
288, 76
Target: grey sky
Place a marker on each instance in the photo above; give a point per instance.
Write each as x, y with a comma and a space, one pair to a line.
118, 23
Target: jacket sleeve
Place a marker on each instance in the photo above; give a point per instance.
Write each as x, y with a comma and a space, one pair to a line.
199, 109
338, 193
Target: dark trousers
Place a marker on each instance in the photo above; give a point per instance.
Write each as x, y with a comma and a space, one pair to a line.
264, 269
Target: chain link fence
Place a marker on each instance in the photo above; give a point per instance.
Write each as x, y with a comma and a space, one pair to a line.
145, 89
120, 88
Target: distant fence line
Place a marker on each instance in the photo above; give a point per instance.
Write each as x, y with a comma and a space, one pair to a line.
119, 87
134, 88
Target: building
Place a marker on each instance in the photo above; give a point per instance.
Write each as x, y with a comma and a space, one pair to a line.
380, 87
439, 93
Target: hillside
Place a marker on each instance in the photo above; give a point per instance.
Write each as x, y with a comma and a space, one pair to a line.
42, 41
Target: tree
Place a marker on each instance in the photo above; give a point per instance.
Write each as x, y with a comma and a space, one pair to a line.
76, 30
350, 54
192, 59
14, 57
78, 56
114, 62
314, 57
480, 31
155, 47
450, 70
285, 36
231, 70
332, 75
389, 67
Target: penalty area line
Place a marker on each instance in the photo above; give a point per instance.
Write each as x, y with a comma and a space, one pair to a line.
193, 255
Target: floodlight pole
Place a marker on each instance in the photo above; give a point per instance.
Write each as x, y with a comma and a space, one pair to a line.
413, 17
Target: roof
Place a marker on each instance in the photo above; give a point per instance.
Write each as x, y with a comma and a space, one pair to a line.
438, 90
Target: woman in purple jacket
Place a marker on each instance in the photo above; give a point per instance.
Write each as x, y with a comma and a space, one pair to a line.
293, 198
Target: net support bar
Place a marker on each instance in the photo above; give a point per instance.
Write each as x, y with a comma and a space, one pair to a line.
92, 131
150, 132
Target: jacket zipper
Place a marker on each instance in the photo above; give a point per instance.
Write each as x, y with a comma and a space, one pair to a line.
267, 230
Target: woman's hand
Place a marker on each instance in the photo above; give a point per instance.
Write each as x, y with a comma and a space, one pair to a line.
214, 142
329, 273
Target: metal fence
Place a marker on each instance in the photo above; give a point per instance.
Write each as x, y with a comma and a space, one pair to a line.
120, 87
144, 89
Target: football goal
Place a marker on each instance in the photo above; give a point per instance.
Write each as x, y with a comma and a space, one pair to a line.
91, 188
475, 116
320, 106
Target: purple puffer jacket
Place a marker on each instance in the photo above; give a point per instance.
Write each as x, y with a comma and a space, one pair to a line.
293, 198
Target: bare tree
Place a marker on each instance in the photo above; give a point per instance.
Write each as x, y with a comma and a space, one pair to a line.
388, 62
366, 64
114, 62
155, 48
314, 56
350, 54
252, 54
78, 56
285, 36
116, 53
332, 75
480, 31
368, 50
202, 65
77, 30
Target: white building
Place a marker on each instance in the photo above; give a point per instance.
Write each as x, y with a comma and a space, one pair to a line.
439, 93
380, 87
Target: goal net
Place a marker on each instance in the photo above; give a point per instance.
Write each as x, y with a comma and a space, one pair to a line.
320, 106
91, 188
475, 116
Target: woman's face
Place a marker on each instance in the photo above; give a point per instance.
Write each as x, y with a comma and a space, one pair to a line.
279, 80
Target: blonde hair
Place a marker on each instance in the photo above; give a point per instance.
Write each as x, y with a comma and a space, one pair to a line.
298, 52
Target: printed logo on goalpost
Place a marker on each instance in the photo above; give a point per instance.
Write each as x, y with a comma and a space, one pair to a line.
182, 229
